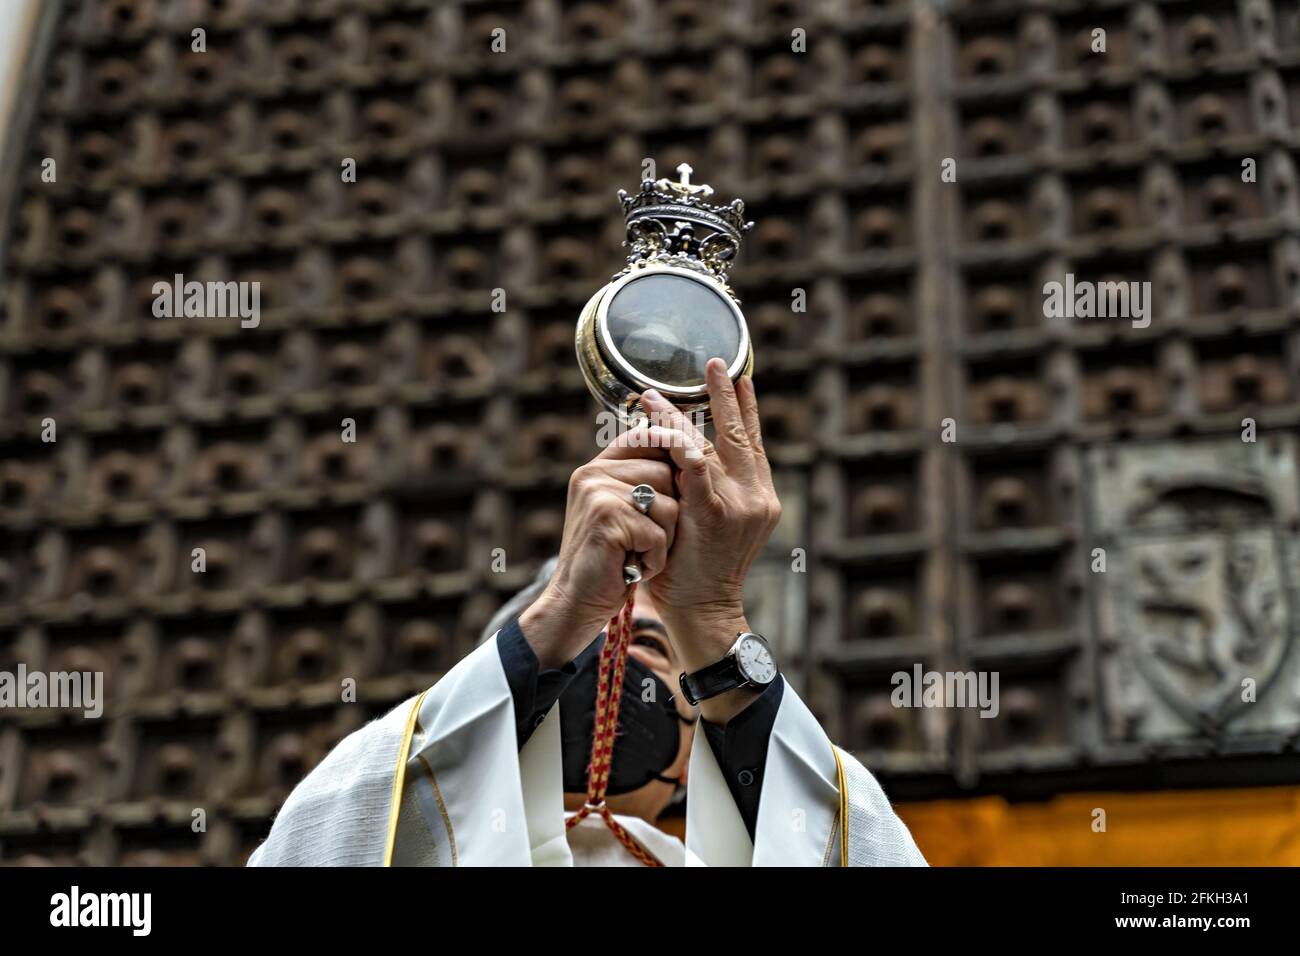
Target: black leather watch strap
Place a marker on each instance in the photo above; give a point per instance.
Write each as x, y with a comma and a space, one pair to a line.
718, 678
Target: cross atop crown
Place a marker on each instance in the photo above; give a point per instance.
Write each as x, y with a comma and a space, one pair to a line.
684, 187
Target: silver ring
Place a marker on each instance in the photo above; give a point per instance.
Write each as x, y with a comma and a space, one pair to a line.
643, 497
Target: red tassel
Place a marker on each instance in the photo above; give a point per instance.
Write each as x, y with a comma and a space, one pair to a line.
609, 693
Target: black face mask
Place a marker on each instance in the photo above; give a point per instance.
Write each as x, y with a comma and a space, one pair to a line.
648, 737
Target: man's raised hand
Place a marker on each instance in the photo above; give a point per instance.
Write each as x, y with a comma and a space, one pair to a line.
728, 509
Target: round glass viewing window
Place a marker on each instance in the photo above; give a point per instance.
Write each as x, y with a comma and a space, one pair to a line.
662, 327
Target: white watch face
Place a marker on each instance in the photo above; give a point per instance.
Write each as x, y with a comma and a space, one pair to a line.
755, 661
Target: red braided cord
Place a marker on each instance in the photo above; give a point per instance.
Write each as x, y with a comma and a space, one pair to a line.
609, 693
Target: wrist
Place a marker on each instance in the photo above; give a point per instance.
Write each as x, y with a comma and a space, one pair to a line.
702, 634
556, 629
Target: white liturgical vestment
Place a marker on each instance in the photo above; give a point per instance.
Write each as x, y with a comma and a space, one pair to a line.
467, 795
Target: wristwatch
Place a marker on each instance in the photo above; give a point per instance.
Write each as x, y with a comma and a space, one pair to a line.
748, 663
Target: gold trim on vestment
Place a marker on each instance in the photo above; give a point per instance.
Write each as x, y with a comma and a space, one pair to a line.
442, 808
844, 809
399, 777
437, 795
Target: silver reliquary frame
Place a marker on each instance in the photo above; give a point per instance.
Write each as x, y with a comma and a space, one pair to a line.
672, 232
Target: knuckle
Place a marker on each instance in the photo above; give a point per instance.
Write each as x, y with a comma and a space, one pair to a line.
581, 477
766, 508
774, 512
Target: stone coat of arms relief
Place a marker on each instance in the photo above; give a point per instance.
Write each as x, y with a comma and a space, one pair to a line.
1197, 607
